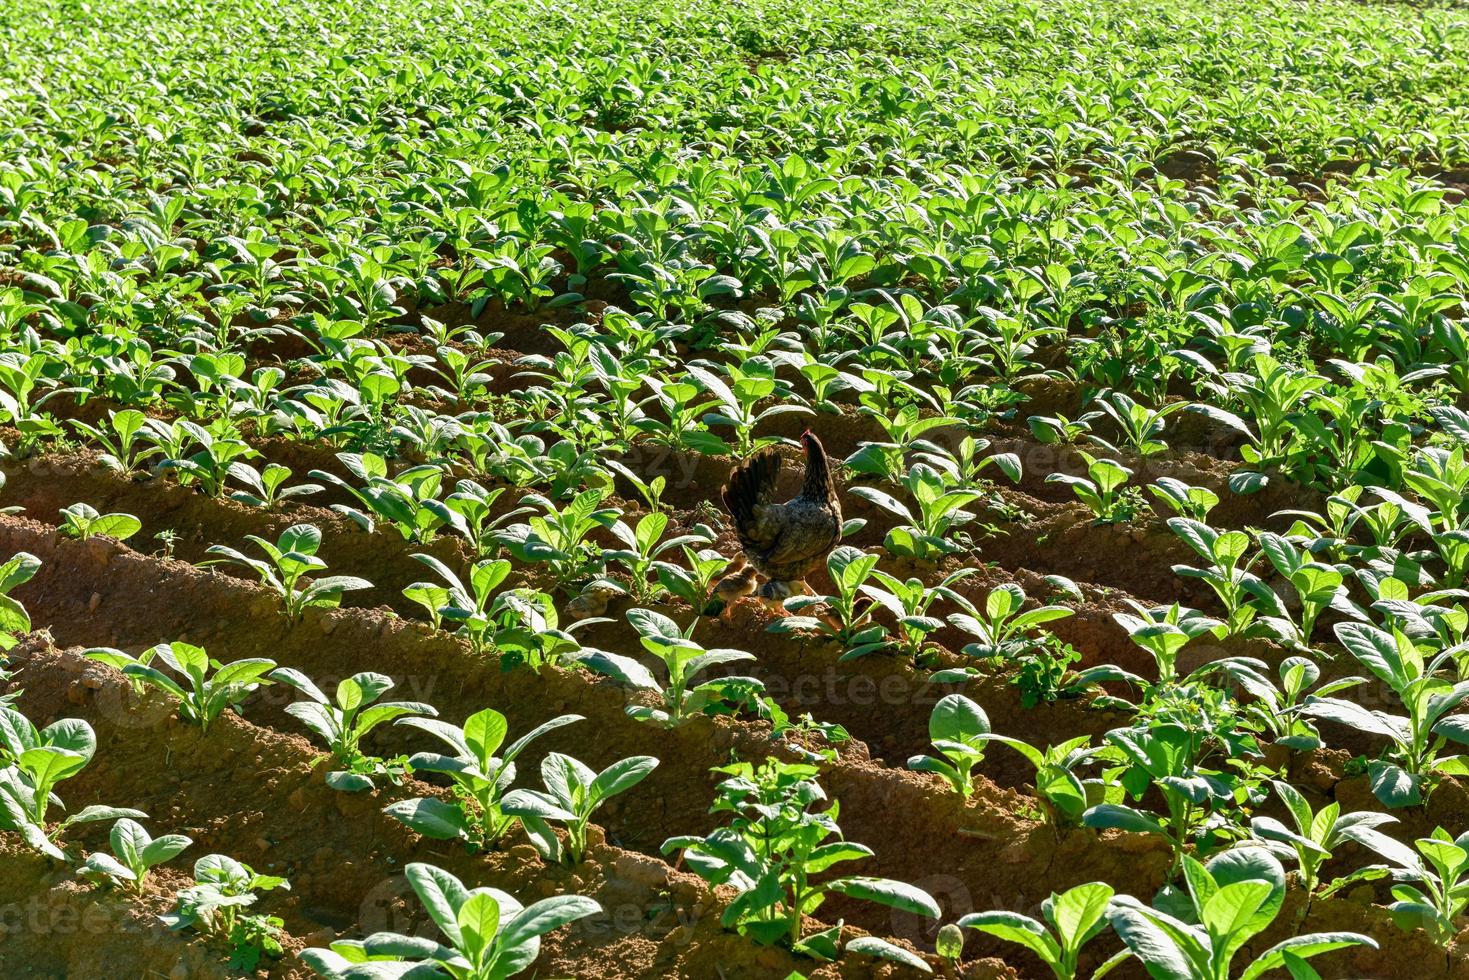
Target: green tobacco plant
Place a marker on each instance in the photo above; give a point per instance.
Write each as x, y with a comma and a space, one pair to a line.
1139, 427
471, 507
958, 729
122, 450
683, 660
35, 761
1167, 758
202, 696
1163, 632
288, 563
1054, 429
1227, 572
1227, 902
468, 605
771, 852
1414, 761
82, 521
1071, 920
1181, 500
934, 520
488, 935
642, 548
1313, 835
1276, 709
1102, 489
558, 536
849, 615
134, 854
481, 778
572, 794
1060, 791
266, 487
909, 601
1430, 881
695, 583
408, 501
1003, 627
344, 721
1318, 586
520, 625
216, 448
223, 889
15, 622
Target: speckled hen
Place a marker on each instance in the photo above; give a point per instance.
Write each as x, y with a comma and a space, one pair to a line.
785, 542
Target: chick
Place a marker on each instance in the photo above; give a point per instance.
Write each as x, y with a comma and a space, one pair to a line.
593, 599
738, 582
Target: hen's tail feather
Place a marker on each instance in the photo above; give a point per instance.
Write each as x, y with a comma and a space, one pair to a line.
750, 485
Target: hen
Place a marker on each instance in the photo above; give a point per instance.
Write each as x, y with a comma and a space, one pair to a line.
785, 542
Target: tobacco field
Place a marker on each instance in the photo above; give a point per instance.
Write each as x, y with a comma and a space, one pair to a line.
392, 394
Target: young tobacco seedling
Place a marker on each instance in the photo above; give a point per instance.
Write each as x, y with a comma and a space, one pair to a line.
934, 519
488, 934
694, 584
949, 944
773, 847
34, 763
1276, 710
1228, 901
291, 558
1163, 631
1314, 834
1408, 770
1002, 629
572, 794
345, 721
1430, 887
1101, 489
82, 521
642, 548
481, 779
471, 507
408, 501
119, 440
208, 466
557, 536
683, 660
1140, 428
521, 625
850, 620
957, 727
1231, 581
265, 488
134, 854
1059, 791
207, 696
1318, 587
909, 601
223, 888
1164, 756
1071, 920
1181, 500
468, 605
